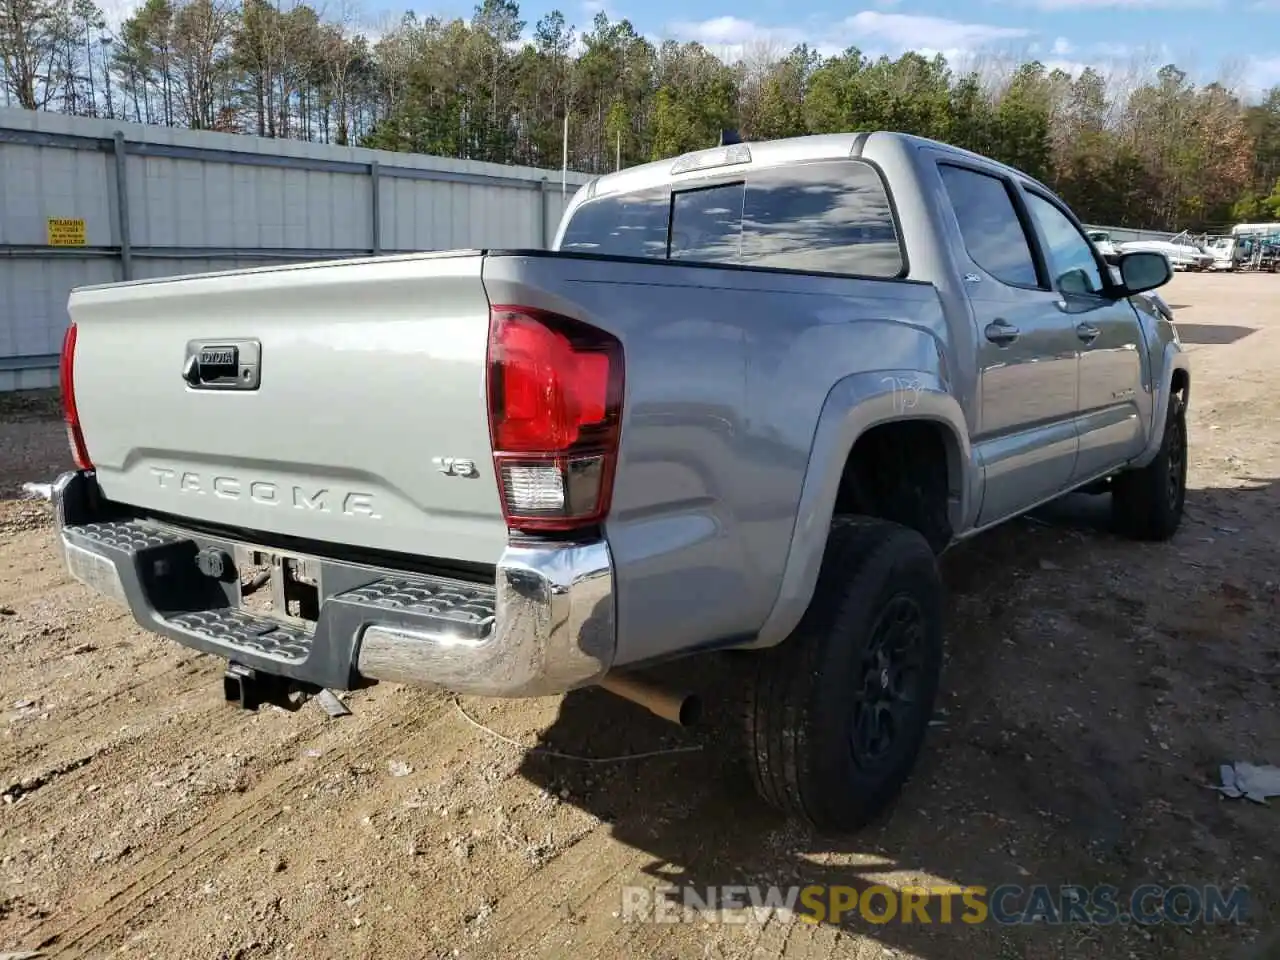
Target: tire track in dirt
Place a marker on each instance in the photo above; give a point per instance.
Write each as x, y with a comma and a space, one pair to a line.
114, 764
592, 861
28, 785
137, 733
154, 697
93, 737
587, 884
233, 823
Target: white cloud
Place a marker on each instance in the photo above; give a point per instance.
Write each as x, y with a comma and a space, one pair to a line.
1126, 4
1073, 67
733, 32
870, 30
967, 46
909, 31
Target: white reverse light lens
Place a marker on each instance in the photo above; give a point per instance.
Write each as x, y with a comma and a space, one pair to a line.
533, 488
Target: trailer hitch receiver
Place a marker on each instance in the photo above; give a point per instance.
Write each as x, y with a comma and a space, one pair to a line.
250, 689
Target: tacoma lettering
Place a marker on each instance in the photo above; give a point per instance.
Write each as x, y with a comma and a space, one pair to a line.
268, 494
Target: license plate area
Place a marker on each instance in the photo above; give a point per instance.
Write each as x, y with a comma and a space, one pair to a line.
283, 586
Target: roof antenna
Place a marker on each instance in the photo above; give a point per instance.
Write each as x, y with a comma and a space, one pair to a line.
729, 137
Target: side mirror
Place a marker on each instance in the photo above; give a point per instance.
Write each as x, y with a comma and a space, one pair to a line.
1143, 270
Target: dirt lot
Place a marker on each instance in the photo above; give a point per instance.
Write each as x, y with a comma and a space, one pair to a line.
1092, 688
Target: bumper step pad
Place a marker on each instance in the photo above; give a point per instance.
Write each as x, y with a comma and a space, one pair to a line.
242, 631
127, 536
465, 609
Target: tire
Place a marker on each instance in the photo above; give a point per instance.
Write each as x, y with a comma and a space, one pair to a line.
810, 715
1147, 504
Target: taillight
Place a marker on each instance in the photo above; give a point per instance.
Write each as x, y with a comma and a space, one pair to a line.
555, 413
67, 382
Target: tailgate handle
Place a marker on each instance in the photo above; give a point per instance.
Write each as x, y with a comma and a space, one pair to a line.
222, 364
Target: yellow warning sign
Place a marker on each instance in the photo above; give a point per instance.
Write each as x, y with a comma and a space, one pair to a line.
64, 232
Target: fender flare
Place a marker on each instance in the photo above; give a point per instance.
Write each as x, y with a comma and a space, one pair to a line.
853, 406
1173, 359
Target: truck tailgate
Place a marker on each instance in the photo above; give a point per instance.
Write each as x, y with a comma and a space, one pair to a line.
370, 383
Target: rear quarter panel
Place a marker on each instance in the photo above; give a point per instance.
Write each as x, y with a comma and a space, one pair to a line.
727, 375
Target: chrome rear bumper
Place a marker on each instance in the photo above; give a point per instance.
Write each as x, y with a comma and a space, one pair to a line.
545, 625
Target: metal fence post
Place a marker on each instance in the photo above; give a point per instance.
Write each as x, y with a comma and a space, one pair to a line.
375, 176
542, 212
122, 207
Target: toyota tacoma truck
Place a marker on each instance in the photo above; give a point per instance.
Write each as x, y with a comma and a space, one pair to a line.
743, 403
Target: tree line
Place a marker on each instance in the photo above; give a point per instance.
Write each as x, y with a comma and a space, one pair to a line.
1158, 151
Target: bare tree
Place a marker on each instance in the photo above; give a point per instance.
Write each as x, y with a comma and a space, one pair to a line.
201, 35
31, 41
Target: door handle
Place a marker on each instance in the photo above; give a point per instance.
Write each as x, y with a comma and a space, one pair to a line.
1000, 331
1087, 332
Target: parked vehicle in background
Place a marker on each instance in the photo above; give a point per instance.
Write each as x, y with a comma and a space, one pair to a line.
1257, 246
1101, 239
1183, 254
1227, 253
1270, 229
744, 403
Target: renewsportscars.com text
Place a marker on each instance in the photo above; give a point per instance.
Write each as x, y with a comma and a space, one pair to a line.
1145, 904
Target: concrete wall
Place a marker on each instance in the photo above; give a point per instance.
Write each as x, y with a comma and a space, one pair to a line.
158, 202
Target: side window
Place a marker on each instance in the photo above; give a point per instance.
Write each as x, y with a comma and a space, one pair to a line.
989, 225
706, 224
1070, 255
629, 225
827, 217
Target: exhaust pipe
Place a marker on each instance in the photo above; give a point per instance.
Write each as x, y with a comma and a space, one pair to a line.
682, 709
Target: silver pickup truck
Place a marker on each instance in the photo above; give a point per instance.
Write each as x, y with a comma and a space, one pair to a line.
743, 404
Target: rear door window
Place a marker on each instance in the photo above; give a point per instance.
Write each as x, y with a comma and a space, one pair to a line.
989, 225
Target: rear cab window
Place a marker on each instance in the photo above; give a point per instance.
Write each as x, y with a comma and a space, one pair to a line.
628, 225
706, 224
825, 216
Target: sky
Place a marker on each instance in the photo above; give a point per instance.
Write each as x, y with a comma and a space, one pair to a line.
1233, 40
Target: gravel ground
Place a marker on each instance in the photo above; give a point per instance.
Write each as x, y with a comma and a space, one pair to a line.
1093, 686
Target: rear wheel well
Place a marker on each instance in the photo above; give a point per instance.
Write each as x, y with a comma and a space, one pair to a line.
906, 471
1180, 383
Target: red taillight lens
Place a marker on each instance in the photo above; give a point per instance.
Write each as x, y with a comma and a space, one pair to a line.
555, 411
67, 382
